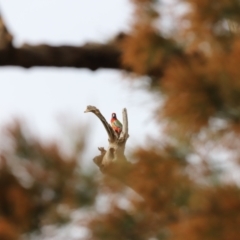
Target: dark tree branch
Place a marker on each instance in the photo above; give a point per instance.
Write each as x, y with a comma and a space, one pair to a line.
91, 56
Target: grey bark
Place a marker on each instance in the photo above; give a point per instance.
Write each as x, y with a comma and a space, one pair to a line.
113, 161
116, 146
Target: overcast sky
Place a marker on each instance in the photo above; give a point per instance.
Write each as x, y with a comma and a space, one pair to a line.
41, 95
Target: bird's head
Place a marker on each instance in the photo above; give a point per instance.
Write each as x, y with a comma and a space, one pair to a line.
114, 115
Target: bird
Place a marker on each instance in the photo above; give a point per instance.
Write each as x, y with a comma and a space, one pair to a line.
116, 124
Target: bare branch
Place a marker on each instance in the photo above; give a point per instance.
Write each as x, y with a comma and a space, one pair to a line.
121, 170
116, 147
111, 134
98, 159
124, 134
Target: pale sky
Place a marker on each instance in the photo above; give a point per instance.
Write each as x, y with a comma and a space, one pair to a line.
41, 95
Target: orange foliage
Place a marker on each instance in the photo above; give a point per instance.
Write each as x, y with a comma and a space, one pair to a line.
36, 181
218, 218
166, 187
191, 97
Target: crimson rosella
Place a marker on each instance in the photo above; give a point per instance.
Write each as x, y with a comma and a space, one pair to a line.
116, 125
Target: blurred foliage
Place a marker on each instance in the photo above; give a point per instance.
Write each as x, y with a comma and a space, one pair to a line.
185, 184
186, 192
40, 185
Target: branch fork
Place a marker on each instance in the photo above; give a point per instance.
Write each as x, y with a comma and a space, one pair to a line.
116, 147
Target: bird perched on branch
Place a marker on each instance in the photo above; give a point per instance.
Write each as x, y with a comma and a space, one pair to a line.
116, 124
